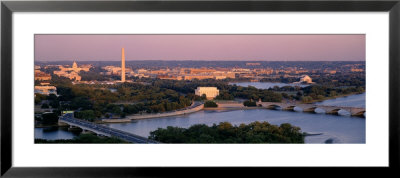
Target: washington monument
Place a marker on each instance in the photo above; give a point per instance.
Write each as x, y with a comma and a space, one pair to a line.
123, 65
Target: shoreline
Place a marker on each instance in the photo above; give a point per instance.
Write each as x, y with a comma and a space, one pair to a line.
157, 115
333, 97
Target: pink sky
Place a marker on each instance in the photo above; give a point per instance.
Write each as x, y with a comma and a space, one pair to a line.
200, 47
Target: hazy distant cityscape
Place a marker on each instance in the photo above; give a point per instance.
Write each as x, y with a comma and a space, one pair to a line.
106, 72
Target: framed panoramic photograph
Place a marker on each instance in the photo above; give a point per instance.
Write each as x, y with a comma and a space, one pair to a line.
103, 88
200, 88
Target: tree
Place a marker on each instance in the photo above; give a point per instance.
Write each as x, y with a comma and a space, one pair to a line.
49, 118
39, 97
203, 96
45, 106
210, 104
88, 115
249, 103
225, 132
116, 110
55, 104
51, 97
306, 99
81, 103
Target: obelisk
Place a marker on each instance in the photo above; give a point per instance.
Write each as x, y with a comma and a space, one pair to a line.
123, 65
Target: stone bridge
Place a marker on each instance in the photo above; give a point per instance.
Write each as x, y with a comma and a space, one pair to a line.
103, 130
354, 111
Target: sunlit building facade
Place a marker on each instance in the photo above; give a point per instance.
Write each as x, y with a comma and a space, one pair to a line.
210, 92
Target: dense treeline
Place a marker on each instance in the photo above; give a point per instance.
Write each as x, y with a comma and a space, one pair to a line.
84, 138
252, 93
317, 92
249, 103
210, 104
133, 92
227, 92
280, 79
349, 79
96, 101
48, 118
336, 80
225, 132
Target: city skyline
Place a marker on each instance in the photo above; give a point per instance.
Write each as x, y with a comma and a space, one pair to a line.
200, 47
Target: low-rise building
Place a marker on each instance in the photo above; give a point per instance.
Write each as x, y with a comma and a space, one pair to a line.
46, 90
39, 75
210, 92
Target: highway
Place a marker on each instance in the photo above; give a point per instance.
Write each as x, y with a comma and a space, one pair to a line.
69, 119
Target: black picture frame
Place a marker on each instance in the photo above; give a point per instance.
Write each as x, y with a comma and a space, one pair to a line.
8, 7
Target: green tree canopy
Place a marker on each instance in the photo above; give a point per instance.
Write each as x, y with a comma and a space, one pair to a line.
49, 118
225, 132
210, 104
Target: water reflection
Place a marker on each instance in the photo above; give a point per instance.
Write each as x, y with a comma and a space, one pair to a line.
319, 111
54, 133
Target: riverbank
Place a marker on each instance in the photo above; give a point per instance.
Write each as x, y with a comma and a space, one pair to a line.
345, 129
191, 109
231, 106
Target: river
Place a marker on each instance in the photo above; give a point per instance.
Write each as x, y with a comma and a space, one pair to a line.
54, 133
335, 129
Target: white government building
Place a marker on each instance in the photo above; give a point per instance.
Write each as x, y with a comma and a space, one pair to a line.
210, 92
306, 79
46, 90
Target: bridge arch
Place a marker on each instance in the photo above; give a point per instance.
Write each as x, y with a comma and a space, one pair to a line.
334, 111
339, 111
359, 114
289, 108
274, 107
312, 108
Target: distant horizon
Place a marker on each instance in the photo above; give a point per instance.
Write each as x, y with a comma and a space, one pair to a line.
202, 47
